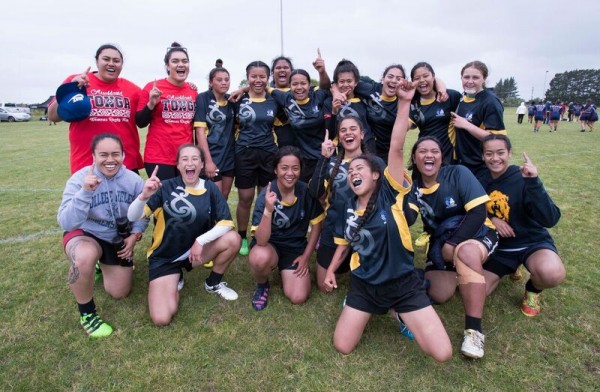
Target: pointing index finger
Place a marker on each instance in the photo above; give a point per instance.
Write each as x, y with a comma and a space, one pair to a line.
326, 134
318, 53
526, 158
154, 85
155, 171
87, 71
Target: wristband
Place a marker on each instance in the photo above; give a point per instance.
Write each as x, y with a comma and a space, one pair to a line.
268, 214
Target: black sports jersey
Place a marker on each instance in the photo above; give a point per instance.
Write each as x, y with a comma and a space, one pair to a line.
456, 192
381, 114
353, 107
337, 195
524, 204
289, 222
382, 250
484, 111
218, 118
256, 117
307, 119
433, 118
182, 214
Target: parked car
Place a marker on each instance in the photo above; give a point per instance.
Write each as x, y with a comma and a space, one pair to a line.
12, 115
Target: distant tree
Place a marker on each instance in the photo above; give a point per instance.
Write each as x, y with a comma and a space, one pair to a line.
243, 83
575, 86
314, 82
507, 91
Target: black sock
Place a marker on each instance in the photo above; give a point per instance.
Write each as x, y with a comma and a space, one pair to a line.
473, 323
242, 234
214, 278
263, 285
530, 287
87, 308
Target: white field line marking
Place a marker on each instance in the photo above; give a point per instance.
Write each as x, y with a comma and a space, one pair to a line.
28, 237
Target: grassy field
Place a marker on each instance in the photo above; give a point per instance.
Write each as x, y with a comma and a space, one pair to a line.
217, 346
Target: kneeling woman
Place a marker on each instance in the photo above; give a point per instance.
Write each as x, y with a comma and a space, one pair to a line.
452, 205
193, 226
521, 210
282, 213
376, 229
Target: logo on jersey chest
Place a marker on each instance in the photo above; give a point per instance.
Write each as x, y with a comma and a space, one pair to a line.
449, 201
440, 113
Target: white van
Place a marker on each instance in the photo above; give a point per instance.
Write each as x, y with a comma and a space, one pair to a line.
22, 109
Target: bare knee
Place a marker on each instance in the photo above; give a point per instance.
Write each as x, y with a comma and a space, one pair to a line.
162, 320
297, 298
341, 346
442, 354
118, 292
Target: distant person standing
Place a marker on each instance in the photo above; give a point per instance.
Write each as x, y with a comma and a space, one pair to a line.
555, 114
588, 116
571, 111
521, 110
530, 112
113, 100
539, 114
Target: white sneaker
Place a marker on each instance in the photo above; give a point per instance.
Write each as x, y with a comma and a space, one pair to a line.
180, 283
223, 291
472, 344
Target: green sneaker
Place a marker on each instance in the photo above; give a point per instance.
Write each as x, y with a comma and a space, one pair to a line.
94, 326
98, 275
244, 249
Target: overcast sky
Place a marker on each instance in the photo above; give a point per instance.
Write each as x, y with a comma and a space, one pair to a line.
44, 41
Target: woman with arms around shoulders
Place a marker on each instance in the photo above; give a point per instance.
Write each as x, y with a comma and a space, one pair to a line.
93, 214
282, 213
452, 206
432, 117
114, 101
375, 229
166, 106
193, 226
521, 210
215, 134
478, 114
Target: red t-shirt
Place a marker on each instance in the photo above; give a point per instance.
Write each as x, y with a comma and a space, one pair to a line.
171, 123
113, 111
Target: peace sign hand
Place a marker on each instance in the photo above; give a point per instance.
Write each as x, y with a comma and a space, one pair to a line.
528, 169
91, 181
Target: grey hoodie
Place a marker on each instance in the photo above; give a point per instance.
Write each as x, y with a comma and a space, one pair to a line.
96, 212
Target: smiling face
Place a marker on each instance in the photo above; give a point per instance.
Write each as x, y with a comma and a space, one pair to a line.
178, 67
300, 87
346, 83
496, 156
288, 172
110, 65
425, 81
362, 178
390, 81
257, 80
428, 159
108, 157
190, 165
350, 136
220, 82
281, 73
472, 80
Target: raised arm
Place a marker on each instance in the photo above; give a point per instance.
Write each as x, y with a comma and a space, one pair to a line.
405, 93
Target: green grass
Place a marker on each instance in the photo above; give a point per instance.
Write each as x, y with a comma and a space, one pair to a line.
218, 345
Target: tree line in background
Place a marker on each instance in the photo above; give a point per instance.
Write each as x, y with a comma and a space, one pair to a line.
575, 86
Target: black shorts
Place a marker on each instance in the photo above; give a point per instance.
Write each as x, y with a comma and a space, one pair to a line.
219, 177
285, 255
253, 166
109, 253
504, 263
164, 171
325, 255
489, 241
165, 269
405, 294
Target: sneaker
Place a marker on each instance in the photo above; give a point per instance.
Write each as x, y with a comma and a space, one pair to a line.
260, 299
223, 291
472, 344
244, 249
98, 274
517, 275
531, 306
208, 265
181, 283
94, 326
404, 331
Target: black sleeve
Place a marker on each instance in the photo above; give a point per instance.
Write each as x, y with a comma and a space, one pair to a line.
469, 226
143, 117
539, 205
316, 185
